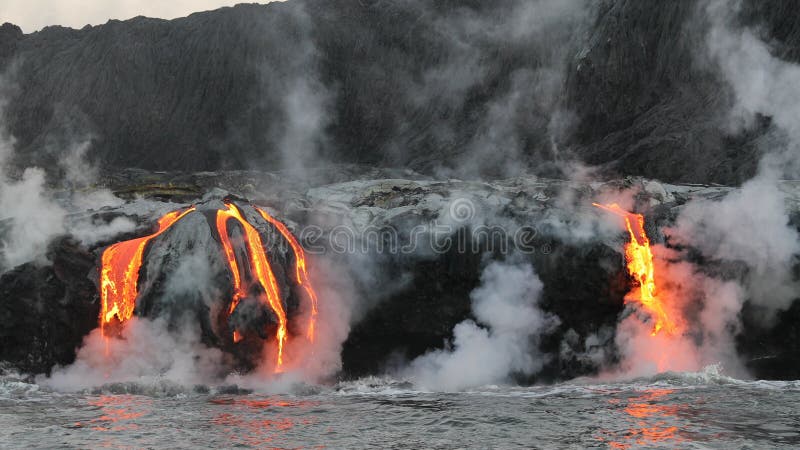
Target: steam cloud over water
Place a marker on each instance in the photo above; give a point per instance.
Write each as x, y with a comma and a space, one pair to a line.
748, 234
503, 341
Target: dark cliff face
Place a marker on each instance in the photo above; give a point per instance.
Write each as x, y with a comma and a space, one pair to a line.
47, 310
9, 36
645, 106
412, 83
650, 99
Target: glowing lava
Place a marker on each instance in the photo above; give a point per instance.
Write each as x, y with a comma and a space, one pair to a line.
121, 263
300, 269
639, 259
259, 266
119, 276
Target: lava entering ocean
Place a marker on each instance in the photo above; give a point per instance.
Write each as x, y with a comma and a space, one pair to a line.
300, 269
119, 275
639, 259
259, 266
121, 264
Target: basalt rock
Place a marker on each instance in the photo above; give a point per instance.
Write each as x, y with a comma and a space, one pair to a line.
185, 276
47, 310
414, 299
416, 250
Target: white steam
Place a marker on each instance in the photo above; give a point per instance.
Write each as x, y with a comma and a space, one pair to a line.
31, 215
147, 351
304, 102
704, 338
168, 348
171, 349
306, 109
34, 218
761, 83
746, 239
503, 342
308, 361
29, 218
752, 226
530, 100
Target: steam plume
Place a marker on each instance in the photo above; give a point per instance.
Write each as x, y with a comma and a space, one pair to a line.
746, 240
504, 340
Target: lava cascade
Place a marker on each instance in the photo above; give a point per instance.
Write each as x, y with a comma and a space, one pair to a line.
639, 261
301, 273
119, 275
121, 263
259, 266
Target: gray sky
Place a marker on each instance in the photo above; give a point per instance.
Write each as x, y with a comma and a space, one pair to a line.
32, 15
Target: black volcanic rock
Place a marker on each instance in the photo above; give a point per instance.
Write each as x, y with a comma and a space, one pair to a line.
184, 273
209, 91
661, 117
10, 34
408, 302
47, 310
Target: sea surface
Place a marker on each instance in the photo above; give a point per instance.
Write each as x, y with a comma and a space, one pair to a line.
697, 410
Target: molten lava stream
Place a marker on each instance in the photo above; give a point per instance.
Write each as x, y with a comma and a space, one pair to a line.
301, 273
259, 266
119, 274
121, 263
639, 259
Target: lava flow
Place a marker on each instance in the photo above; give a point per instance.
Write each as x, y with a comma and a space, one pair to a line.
259, 266
639, 259
119, 276
121, 263
300, 269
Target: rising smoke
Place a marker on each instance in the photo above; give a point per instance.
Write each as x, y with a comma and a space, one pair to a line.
166, 349
516, 130
33, 212
746, 239
30, 217
752, 226
503, 341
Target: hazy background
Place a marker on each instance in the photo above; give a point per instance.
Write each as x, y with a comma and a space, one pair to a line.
33, 15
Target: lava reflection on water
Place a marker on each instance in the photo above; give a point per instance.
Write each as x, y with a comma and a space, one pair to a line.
119, 412
260, 422
651, 422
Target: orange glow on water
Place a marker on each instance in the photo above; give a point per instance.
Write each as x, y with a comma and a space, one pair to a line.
653, 422
118, 413
261, 422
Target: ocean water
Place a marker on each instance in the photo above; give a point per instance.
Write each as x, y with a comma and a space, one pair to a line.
696, 410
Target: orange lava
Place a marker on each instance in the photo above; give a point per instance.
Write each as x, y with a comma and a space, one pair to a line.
300, 269
639, 258
260, 268
121, 263
119, 276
